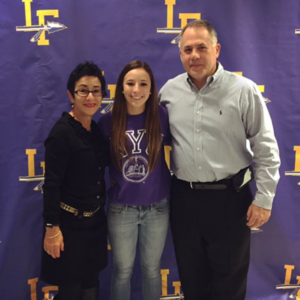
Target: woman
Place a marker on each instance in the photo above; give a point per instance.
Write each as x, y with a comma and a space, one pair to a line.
75, 242
138, 211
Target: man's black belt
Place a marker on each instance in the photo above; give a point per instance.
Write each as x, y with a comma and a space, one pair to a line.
239, 180
210, 185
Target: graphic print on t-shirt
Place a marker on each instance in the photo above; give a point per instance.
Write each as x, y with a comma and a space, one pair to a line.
135, 168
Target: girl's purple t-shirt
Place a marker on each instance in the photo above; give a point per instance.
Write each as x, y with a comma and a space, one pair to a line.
135, 185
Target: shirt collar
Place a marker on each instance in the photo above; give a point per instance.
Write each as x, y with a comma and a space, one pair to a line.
217, 74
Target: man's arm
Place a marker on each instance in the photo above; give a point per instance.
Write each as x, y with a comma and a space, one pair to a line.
260, 133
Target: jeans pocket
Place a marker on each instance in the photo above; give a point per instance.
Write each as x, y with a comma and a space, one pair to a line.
162, 207
115, 209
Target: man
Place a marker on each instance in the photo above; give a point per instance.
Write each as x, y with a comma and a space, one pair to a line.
212, 114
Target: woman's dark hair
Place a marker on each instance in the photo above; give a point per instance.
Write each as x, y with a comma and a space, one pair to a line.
119, 142
86, 69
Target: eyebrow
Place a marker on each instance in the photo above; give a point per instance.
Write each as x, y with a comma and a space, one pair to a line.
197, 45
84, 85
135, 80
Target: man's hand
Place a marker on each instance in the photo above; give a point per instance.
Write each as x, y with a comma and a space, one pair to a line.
53, 242
257, 216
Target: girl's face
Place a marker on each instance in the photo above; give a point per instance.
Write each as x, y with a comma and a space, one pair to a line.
136, 89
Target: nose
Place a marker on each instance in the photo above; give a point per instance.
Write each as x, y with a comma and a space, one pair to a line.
90, 95
136, 88
195, 54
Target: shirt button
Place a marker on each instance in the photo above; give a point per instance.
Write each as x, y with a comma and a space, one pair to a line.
99, 168
198, 111
199, 168
198, 130
98, 182
198, 149
98, 197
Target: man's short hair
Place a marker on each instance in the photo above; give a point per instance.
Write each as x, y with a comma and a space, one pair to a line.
86, 69
202, 23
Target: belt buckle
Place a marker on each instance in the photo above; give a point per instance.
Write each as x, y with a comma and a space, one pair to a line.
91, 213
88, 213
191, 184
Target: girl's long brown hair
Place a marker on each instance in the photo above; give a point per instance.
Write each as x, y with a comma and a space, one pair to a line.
119, 142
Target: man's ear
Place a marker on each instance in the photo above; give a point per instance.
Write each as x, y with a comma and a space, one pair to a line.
218, 50
180, 53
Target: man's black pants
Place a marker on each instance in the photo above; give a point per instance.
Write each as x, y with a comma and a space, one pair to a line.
212, 241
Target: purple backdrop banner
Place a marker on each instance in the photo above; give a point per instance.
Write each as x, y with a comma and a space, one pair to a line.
41, 41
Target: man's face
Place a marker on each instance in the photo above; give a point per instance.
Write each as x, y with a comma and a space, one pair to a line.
199, 54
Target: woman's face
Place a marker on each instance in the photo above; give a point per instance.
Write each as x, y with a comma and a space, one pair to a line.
86, 106
136, 89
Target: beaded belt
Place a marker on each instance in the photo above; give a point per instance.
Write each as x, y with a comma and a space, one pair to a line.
75, 211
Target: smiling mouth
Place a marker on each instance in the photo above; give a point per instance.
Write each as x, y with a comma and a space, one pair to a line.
137, 98
90, 105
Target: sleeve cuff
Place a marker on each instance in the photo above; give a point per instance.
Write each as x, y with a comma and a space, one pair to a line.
263, 201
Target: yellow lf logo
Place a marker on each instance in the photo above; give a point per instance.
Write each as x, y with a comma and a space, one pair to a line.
108, 102
184, 17
42, 27
296, 171
287, 283
50, 290
260, 87
31, 170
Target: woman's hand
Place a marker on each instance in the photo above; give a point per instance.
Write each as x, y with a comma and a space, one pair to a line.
112, 181
53, 241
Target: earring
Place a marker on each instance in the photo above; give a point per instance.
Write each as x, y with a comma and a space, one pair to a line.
123, 92
72, 104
